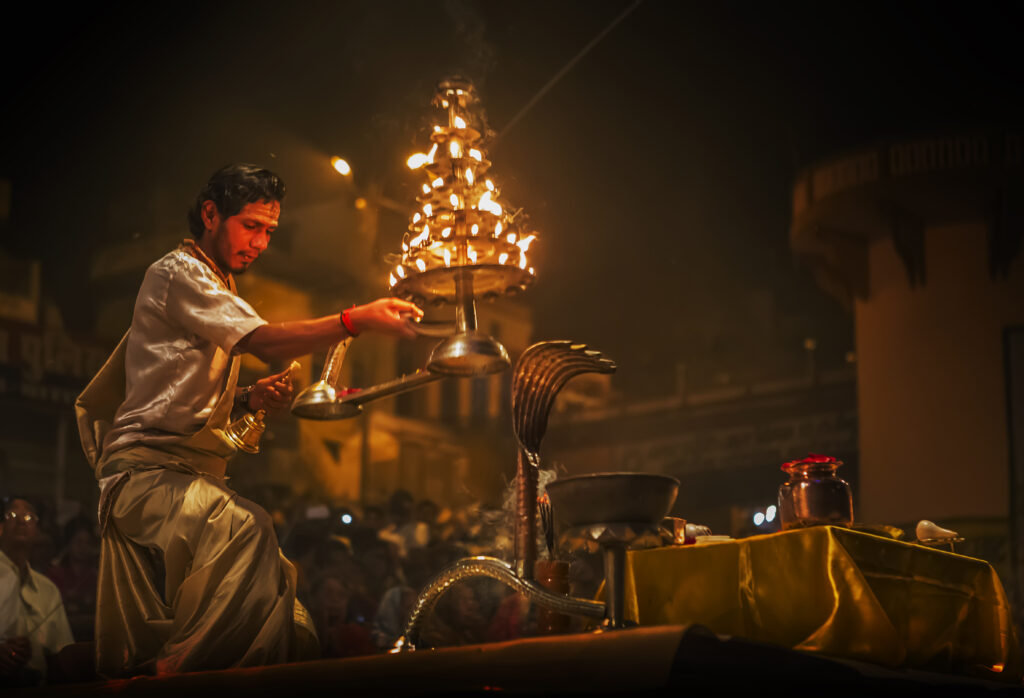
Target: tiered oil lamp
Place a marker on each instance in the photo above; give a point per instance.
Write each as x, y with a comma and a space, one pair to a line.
462, 244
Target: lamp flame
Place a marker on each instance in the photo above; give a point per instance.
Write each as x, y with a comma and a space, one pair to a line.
487, 204
421, 265
476, 154
455, 149
460, 122
417, 160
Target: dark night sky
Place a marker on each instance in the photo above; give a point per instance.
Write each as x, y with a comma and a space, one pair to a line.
658, 171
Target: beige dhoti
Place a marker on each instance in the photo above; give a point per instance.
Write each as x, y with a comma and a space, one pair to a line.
191, 575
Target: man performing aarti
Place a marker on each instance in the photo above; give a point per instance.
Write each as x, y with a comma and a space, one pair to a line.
191, 575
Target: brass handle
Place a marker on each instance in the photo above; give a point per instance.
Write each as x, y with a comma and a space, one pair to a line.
432, 329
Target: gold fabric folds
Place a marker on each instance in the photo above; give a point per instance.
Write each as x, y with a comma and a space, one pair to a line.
837, 592
191, 576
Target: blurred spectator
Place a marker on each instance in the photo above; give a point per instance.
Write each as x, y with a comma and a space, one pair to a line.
373, 517
426, 522
329, 606
33, 624
404, 532
397, 602
457, 619
75, 576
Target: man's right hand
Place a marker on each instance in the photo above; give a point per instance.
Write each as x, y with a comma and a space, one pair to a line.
14, 654
387, 316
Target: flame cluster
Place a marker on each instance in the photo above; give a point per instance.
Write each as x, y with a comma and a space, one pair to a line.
461, 222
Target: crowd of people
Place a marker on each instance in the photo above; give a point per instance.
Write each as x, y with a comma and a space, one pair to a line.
359, 573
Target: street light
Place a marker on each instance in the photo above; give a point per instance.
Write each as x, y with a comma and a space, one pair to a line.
341, 166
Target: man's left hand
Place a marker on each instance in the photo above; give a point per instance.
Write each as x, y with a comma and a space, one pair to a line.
272, 393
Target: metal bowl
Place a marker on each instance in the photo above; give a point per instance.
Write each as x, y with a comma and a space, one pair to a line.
585, 500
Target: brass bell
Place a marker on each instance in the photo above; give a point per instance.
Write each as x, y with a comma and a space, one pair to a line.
246, 431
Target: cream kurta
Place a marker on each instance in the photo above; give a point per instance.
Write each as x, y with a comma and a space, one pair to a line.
191, 576
33, 608
185, 325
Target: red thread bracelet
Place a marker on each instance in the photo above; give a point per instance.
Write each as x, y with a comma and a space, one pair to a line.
347, 322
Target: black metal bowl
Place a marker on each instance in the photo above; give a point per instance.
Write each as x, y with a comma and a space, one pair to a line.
585, 500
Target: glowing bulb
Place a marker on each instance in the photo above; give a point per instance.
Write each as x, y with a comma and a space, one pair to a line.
471, 253
454, 201
405, 247
532, 272
421, 265
524, 244
426, 189
446, 232
340, 165
437, 129
489, 184
769, 513
475, 154
447, 257
455, 149
432, 153
346, 518
522, 261
497, 228
416, 217
401, 271
444, 103
503, 257
469, 175
417, 161
437, 182
460, 122
511, 237
428, 210
475, 229
392, 279
759, 518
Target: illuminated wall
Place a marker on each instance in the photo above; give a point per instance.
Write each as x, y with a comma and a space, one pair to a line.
931, 380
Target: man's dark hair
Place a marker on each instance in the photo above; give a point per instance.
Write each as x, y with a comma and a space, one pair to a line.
232, 187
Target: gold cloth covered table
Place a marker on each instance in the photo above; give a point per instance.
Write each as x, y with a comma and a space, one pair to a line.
834, 591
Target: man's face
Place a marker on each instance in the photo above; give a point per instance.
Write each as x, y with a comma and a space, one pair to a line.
240, 239
20, 524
